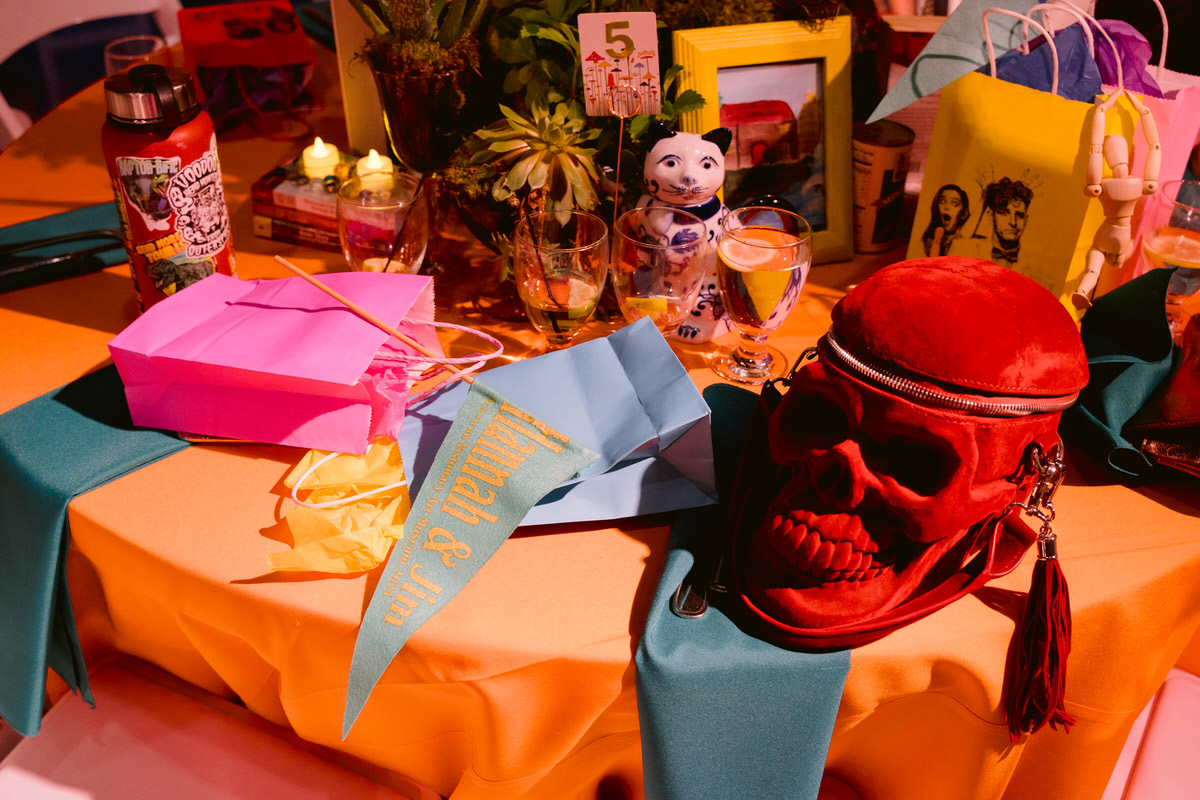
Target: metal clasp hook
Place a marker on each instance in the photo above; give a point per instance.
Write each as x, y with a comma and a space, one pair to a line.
809, 354
1050, 472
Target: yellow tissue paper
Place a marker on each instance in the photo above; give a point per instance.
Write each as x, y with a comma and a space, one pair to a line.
353, 513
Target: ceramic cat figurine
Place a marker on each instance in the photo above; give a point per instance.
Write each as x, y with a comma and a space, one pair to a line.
685, 170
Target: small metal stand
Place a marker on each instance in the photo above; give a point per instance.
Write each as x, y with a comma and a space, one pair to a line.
624, 102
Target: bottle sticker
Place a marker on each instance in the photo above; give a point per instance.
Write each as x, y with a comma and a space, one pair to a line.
144, 183
184, 218
198, 198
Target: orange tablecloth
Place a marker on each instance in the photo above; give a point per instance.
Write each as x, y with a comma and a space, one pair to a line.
523, 686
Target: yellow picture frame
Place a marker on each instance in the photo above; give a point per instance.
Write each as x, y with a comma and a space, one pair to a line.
704, 52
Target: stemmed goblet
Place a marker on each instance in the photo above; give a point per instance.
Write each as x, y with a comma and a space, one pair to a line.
658, 264
763, 258
1173, 240
560, 260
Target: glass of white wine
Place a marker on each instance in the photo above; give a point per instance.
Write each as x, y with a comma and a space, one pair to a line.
1173, 240
658, 264
763, 258
560, 261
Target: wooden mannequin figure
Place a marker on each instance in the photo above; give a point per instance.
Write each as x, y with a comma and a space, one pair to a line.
1118, 194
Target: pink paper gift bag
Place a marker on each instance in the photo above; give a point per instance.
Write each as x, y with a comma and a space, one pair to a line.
277, 361
1177, 118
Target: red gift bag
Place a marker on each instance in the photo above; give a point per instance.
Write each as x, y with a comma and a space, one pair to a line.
249, 59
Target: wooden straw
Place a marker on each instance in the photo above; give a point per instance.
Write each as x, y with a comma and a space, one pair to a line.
374, 320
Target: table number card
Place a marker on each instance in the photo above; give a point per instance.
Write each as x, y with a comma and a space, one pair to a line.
619, 53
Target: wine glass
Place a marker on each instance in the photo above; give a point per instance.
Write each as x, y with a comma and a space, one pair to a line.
1174, 241
763, 258
129, 51
560, 260
658, 264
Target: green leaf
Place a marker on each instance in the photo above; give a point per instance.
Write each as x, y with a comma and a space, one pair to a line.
519, 123
519, 174
689, 100
639, 125
570, 170
451, 26
507, 146
368, 15
553, 35
670, 75
539, 174
493, 134
586, 197
513, 81
512, 50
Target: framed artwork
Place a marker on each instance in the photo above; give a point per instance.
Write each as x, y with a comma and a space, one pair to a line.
784, 91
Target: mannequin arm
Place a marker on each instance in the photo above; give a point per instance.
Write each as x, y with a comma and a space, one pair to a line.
1154, 153
1095, 163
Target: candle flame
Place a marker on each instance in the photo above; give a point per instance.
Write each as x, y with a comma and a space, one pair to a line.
373, 159
319, 148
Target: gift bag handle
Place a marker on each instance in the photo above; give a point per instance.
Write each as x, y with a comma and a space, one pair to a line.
991, 50
1084, 18
1046, 8
1162, 53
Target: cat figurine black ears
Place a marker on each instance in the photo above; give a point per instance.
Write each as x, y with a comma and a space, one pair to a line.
721, 137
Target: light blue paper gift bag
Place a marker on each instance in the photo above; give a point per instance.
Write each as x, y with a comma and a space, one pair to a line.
626, 397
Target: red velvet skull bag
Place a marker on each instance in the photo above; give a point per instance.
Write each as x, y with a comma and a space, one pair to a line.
889, 479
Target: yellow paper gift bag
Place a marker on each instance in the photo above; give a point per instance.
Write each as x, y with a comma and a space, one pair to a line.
1005, 180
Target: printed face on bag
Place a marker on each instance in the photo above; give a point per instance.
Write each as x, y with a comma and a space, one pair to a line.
1009, 201
950, 212
951, 208
1010, 223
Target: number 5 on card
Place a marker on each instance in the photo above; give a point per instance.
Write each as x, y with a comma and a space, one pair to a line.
619, 53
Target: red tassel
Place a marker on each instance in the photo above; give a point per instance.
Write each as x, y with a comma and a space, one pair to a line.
1037, 679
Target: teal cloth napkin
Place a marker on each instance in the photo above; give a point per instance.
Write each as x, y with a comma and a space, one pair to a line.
1129, 351
14, 273
52, 449
722, 713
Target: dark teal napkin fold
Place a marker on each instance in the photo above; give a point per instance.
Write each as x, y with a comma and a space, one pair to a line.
102, 216
1129, 351
52, 449
722, 713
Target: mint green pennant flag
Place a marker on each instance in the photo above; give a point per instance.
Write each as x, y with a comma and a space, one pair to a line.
495, 463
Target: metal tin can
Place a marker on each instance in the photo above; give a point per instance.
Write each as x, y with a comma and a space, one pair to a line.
161, 152
881, 153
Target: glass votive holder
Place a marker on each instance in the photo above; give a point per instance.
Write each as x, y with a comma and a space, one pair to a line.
383, 222
129, 51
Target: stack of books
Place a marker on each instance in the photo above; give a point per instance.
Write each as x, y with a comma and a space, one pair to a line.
288, 207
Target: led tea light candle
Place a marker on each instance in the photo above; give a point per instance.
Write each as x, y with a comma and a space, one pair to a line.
372, 163
375, 171
320, 159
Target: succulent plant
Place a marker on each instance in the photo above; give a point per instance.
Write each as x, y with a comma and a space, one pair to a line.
540, 160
